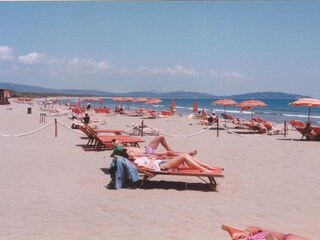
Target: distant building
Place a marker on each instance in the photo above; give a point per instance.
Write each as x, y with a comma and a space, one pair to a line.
4, 96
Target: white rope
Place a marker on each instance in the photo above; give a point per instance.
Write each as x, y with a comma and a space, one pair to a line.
172, 135
259, 135
39, 129
4, 135
69, 128
134, 126
32, 132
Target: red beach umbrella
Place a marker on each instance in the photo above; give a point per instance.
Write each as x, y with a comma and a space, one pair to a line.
120, 99
91, 99
307, 102
225, 103
141, 99
78, 103
195, 106
172, 105
153, 101
250, 104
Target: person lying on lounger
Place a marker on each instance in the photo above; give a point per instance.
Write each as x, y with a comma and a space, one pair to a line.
151, 149
159, 163
257, 233
183, 159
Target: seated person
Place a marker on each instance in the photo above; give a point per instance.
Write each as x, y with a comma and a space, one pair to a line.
208, 120
86, 119
310, 133
257, 233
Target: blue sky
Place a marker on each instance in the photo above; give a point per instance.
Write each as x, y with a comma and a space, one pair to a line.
215, 47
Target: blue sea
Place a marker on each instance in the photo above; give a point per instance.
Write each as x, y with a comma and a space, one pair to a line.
277, 110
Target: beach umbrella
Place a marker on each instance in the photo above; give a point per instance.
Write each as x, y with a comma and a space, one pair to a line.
307, 102
101, 101
250, 104
153, 101
141, 99
121, 99
195, 106
79, 103
91, 99
172, 105
225, 103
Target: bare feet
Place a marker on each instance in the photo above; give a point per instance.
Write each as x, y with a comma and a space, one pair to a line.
193, 153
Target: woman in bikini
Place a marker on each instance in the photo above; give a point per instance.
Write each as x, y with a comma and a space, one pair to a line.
151, 149
155, 163
256, 233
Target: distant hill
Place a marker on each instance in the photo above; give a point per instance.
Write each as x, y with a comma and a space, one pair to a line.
40, 91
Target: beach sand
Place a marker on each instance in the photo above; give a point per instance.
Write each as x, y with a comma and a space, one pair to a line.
52, 189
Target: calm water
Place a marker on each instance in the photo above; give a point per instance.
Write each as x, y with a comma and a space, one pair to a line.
278, 110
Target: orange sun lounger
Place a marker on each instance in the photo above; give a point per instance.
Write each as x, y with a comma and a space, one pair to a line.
100, 142
183, 171
114, 131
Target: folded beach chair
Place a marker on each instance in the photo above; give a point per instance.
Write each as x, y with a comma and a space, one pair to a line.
183, 171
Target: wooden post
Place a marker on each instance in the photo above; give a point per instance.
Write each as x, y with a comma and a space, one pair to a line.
142, 128
285, 129
55, 127
217, 126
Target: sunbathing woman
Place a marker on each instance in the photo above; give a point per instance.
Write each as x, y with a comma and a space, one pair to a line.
151, 148
158, 164
256, 233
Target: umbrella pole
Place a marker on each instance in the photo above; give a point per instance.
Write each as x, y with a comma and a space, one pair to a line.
309, 114
225, 120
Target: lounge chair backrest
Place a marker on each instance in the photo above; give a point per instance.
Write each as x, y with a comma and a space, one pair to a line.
293, 123
268, 126
300, 124
225, 116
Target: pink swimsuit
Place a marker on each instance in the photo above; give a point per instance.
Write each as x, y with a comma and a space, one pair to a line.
260, 236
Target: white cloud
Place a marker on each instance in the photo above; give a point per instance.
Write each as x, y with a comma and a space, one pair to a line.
213, 73
176, 70
31, 58
87, 65
233, 75
6, 53
229, 75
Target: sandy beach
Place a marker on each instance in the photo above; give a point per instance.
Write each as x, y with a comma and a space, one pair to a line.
52, 189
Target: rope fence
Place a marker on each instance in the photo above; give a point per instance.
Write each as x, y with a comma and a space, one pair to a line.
143, 124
